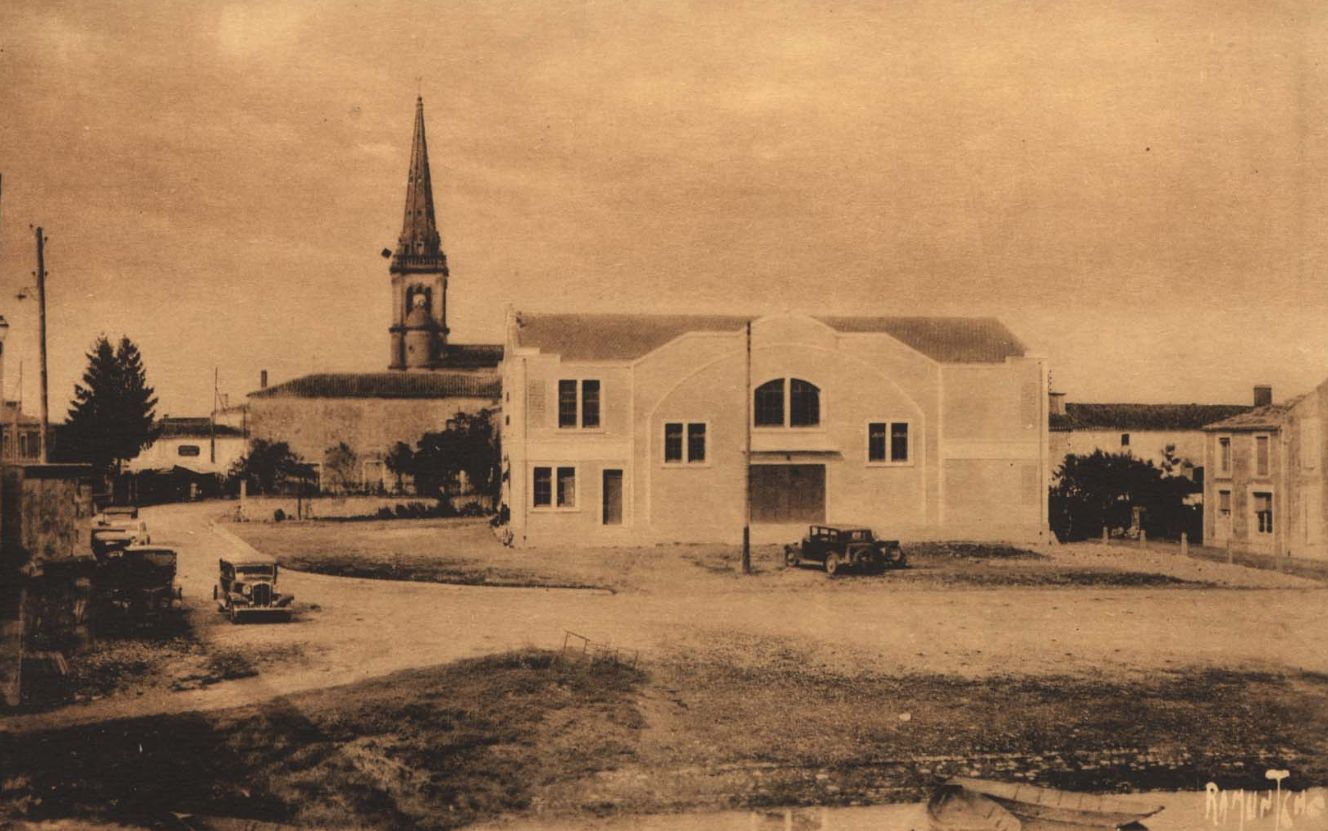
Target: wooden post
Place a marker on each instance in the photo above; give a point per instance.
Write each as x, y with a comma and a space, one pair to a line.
747, 463
1106, 535
1143, 538
1184, 544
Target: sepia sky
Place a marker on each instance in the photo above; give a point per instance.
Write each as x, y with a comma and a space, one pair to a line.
1137, 189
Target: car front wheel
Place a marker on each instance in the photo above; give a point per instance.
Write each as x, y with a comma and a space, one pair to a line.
791, 557
832, 564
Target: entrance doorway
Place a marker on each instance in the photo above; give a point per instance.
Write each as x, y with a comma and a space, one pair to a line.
612, 497
787, 493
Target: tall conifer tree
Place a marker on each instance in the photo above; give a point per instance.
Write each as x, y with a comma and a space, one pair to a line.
113, 412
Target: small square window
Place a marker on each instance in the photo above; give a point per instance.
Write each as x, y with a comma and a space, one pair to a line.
1124, 439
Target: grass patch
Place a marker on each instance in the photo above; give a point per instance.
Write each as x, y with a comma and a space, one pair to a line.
432, 748
755, 723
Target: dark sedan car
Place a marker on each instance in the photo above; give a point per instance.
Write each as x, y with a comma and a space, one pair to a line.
838, 546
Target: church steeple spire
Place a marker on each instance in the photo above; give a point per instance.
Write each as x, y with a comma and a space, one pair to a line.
420, 249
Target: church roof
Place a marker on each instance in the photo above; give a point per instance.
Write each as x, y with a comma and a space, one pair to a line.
420, 248
604, 337
387, 385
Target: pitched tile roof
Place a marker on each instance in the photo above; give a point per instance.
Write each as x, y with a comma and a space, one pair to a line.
1268, 417
606, 337
195, 428
388, 385
1142, 416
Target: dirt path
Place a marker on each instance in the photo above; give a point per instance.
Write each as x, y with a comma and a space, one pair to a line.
351, 629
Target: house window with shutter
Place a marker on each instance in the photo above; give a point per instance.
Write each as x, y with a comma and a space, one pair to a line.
1263, 512
1261, 460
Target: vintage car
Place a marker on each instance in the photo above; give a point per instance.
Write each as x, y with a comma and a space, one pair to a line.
247, 587
139, 580
117, 528
838, 546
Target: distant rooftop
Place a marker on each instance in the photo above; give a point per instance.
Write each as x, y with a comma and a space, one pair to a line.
1269, 417
1142, 416
424, 384
200, 427
607, 337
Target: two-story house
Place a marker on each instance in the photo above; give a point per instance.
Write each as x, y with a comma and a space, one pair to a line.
1266, 487
649, 428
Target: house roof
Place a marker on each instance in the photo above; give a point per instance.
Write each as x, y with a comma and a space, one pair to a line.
195, 428
1142, 416
1269, 417
387, 385
606, 337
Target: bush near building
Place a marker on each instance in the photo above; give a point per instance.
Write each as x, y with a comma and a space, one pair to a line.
1121, 493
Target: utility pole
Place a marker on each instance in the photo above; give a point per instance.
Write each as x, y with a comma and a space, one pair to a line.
747, 463
41, 311
212, 425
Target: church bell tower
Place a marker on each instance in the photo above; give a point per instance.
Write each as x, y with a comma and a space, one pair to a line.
419, 268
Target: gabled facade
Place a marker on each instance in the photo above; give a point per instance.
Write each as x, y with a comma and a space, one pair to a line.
1267, 470
634, 428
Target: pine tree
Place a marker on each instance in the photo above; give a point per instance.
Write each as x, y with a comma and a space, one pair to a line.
113, 412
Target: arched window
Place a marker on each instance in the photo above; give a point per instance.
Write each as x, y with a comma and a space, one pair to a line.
800, 399
804, 404
769, 404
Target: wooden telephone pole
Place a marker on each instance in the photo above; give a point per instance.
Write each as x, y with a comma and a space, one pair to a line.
41, 334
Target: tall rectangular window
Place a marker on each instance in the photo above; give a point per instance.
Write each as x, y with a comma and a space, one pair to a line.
567, 403
1124, 439
1261, 455
1224, 454
566, 487
1263, 512
590, 404
696, 442
876, 448
899, 442
1224, 503
542, 491
673, 442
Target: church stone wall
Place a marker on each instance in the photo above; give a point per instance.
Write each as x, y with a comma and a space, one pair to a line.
369, 425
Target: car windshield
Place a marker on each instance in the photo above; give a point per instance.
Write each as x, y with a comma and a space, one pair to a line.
859, 536
262, 571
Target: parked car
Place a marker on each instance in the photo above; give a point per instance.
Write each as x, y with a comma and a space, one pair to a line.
139, 580
116, 528
247, 587
837, 546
